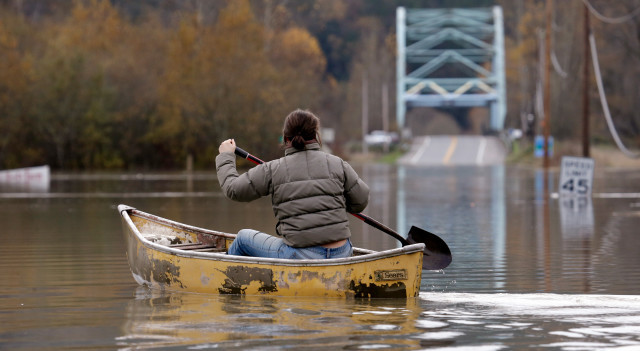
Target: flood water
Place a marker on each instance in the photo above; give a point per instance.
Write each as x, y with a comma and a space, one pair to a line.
530, 269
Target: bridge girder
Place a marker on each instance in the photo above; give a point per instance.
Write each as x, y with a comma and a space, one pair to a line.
451, 58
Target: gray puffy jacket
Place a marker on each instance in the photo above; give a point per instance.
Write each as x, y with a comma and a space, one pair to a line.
311, 192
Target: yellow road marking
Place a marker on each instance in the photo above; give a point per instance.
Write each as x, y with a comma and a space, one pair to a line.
450, 150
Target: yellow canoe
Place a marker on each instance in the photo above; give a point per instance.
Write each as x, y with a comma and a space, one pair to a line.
165, 254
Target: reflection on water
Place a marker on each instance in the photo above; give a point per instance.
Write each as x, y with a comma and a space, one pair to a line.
249, 322
528, 268
466, 207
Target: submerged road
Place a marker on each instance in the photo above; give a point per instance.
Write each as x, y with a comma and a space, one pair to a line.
455, 150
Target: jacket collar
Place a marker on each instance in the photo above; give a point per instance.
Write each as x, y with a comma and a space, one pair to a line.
293, 150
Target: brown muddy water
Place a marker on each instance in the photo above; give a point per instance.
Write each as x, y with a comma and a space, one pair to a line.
530, 270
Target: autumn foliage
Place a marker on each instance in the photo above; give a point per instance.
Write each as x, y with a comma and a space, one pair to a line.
92, 89
97, 84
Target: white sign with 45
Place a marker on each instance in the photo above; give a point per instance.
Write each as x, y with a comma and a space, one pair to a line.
576, 176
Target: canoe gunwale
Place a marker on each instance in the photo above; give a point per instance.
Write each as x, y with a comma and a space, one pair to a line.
368, 255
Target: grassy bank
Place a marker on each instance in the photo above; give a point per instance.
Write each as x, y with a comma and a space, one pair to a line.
604, 155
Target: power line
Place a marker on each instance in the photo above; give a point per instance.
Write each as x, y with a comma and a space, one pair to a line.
605, 104
611, 20
556, 65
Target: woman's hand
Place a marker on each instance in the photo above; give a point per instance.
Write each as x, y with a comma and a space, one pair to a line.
228, 145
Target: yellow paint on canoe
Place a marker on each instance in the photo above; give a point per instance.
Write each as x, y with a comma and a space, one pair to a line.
392, 273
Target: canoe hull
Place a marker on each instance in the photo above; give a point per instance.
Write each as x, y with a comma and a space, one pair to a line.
388, 274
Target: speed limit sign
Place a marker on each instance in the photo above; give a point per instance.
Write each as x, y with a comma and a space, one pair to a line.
576, 176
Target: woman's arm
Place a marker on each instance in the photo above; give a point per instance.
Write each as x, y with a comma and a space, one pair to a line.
246, 187
356, 191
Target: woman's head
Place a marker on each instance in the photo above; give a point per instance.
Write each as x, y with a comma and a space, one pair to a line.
300, 128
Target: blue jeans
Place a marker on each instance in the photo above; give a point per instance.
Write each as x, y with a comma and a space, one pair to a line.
251, 242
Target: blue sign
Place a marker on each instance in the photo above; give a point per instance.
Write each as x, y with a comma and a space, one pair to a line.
538, 148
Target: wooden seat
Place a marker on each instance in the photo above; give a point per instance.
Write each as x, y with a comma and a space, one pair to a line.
211, 249
194, 246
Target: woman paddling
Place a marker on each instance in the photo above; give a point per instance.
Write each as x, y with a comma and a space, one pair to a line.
312, 193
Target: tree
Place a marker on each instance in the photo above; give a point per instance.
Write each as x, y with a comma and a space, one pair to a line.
14, 84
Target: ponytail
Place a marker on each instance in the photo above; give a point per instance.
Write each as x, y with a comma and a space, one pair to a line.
298, 142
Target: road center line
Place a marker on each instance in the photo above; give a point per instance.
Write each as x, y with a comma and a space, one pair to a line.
450, 150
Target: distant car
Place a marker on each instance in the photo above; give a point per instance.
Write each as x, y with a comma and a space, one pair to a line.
380, 137
514, 133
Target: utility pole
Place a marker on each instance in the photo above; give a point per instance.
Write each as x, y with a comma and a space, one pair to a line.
585, 85
385, 107
547, 88
365, 112
385, 113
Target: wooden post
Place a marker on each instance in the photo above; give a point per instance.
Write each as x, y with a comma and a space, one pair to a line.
365, 112
189, 163
547, 88
585, 86
385, 107
385, 112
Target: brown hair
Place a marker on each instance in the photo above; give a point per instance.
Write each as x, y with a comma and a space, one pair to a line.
300, 128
